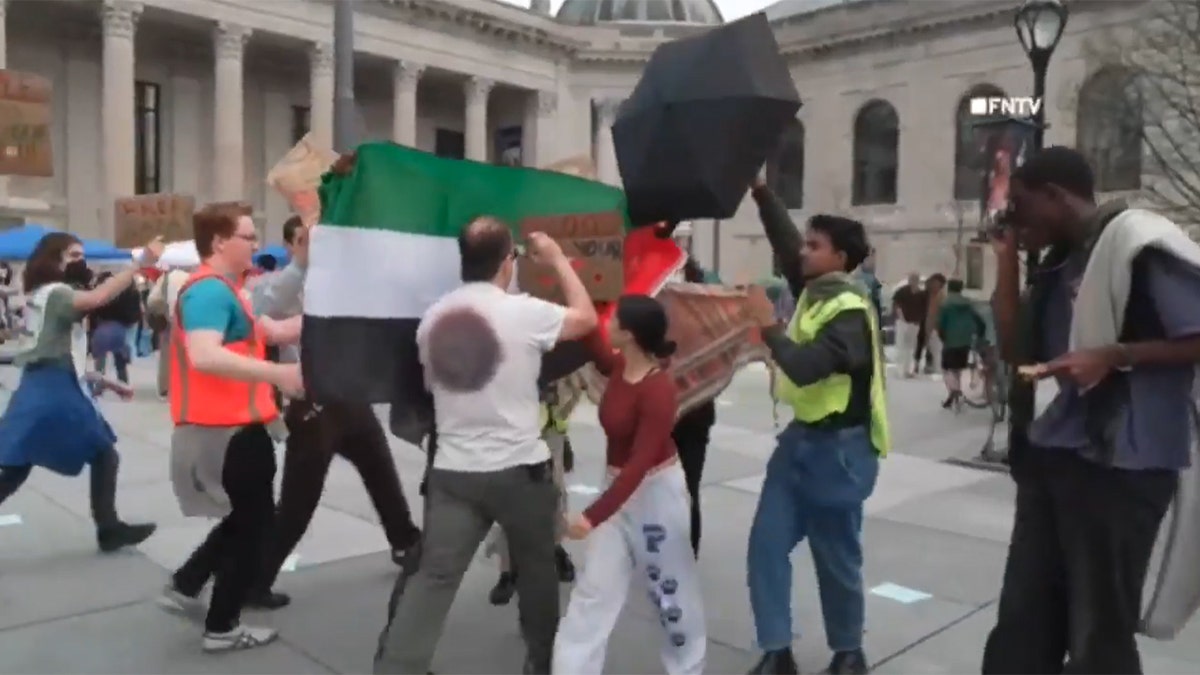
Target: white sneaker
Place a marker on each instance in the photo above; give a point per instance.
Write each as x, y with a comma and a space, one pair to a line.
241, 637
173, 600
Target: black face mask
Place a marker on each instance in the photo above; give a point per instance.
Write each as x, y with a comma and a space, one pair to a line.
77, 274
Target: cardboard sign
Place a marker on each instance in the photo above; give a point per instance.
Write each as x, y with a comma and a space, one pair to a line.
595, 243
25, 125
581, 166
142, 218
298, 175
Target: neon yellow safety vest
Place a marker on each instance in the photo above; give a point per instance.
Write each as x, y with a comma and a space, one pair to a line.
819, 400
546, 421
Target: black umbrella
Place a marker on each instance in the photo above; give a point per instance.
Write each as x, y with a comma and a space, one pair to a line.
701, 122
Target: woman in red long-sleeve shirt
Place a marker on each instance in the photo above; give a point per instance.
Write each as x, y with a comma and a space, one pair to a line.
641, 523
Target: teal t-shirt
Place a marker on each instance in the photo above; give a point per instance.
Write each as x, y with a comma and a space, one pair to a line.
210, 304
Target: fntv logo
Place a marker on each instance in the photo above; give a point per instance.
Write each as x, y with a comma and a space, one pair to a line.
1017, 106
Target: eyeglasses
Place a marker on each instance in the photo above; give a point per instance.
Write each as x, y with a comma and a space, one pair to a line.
252, 238
517, 251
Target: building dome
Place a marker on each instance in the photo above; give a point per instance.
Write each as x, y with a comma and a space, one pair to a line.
590, 12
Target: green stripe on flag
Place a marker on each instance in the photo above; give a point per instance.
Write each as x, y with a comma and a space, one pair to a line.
399, 189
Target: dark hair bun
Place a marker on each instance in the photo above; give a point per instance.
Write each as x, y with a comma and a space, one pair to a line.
665, 349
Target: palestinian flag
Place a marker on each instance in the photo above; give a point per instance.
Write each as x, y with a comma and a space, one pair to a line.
387, 248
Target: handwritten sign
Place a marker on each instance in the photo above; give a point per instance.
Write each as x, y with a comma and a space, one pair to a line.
595, 243
143, 217
25, 125
298, 175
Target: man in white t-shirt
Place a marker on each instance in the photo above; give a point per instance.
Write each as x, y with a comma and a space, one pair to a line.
481, 347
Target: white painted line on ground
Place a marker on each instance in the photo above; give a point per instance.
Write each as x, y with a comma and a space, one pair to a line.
290, 563
581, 489
901, 594
10, 519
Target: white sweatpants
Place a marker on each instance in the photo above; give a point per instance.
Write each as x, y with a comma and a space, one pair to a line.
933, 344
906, 344
649, 539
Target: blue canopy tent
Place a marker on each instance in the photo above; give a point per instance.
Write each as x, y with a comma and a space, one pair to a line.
19, 242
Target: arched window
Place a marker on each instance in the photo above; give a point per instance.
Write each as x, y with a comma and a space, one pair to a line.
876, 154
785, 167
1108, 128
968, 177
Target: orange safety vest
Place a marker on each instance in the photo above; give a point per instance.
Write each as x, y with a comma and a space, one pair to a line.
208, 400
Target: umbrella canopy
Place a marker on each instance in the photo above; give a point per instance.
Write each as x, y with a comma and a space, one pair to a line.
276, 251
19, 242
96, 249
701, 122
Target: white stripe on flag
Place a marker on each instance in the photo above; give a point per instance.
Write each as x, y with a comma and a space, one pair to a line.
377, 274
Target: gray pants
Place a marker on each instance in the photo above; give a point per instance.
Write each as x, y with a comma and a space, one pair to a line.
496, 544
460, 508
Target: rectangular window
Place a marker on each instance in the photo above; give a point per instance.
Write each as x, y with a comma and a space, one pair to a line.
147, 137
974, 268
301, 122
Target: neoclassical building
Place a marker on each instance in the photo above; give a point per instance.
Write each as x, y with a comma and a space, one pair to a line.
203, 96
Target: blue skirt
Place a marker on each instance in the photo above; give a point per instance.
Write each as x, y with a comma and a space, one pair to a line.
51, 423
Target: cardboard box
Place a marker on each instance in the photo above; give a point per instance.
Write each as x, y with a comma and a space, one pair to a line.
298, 175
595, 243
25, 125
140, 218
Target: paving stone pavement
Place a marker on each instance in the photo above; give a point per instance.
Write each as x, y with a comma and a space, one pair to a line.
935, 541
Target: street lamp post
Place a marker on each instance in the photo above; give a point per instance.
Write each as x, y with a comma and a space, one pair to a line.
343, 76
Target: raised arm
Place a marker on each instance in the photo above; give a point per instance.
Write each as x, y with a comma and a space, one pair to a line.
278, 295
603, 357
782, 234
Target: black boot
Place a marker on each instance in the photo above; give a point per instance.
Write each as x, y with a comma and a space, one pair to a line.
566, 568
504, 589
776, 662
113, 537
848, 663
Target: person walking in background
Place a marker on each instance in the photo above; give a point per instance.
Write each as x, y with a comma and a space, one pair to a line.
317, 433
958, 327
50, 420
638, 523
827, 459
223, 406
909, 306
111, 324
691, 434
866, 274
482, 348
930, 344
160, 311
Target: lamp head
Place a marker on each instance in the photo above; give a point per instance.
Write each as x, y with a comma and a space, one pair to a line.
1040, 25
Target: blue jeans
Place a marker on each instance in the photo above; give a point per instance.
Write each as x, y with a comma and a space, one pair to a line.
815, 486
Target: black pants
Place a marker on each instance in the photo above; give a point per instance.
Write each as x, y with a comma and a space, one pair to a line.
923, 347
1077, 562
314, 437
232, 553
691, 440
103, 474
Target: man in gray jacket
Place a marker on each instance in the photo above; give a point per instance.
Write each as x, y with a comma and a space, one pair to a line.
317, 433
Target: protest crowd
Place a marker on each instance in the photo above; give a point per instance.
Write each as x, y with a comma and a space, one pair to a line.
500, 317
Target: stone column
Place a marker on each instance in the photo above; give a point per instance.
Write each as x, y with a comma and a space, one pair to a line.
229, 156
544, 136
606, 156
477, 90
405, 77
320, 88
120, 23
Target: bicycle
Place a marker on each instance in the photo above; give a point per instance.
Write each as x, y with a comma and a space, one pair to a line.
987, 385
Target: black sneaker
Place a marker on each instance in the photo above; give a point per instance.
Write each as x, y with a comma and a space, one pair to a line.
566, 568
568, 456
268, 600
776, 662
409, 557
504, 589
848, 663
124, 534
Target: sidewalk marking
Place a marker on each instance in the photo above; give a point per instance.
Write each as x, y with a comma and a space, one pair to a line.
290, 563
580, 489
901, 594
10, 519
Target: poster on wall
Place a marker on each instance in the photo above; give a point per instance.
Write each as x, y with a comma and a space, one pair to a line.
1005, 144
508, 146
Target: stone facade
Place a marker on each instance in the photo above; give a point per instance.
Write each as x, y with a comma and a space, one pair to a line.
202, 97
